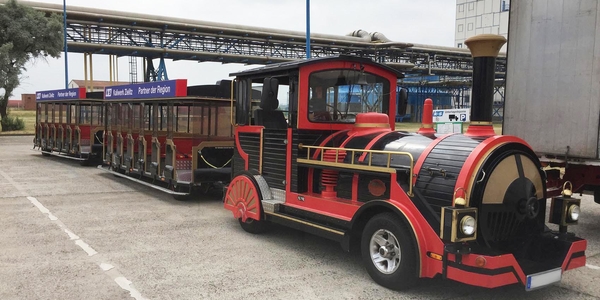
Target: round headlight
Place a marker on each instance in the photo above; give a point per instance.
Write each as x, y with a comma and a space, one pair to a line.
468, 225
574, 211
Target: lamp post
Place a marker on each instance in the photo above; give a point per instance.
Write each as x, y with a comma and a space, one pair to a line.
65, 44
307, 29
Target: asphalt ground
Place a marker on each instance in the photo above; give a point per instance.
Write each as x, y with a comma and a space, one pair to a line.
72, 232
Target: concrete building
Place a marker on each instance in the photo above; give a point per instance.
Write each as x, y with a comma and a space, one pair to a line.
475, 17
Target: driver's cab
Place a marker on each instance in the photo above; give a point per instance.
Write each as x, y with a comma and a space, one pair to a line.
319, 94
305, 102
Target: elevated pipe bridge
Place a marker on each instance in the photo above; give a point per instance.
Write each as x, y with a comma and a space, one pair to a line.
100, 31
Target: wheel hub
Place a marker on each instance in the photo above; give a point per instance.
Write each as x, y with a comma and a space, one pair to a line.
385, 251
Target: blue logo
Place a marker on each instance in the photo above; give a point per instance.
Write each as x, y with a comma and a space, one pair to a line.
463, 117
438, 113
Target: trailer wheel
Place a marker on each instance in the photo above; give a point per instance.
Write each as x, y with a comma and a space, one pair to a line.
243, 198
388, 252
186, 197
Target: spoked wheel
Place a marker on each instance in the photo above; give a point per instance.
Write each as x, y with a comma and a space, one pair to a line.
388, 252
243, 199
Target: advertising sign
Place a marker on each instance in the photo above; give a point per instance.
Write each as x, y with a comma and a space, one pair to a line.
451, 115
147, 90
65, 94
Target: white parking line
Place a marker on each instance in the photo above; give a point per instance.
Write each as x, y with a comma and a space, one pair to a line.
592, 267
108, 269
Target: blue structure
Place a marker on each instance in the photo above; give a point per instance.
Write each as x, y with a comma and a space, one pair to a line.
421, 87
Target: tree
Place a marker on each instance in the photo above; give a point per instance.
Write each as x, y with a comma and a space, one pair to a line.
25, 34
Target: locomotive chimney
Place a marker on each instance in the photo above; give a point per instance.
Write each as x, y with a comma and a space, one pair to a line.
484, 48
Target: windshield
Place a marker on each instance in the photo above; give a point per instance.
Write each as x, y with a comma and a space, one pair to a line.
339, 95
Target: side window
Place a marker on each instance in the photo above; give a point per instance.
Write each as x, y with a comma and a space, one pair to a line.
136, 115
73, 114
85, 116
223, 120
182, 119
242, 101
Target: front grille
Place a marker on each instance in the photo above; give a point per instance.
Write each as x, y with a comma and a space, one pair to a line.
501, 225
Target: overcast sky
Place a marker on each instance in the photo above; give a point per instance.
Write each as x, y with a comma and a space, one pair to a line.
424, 22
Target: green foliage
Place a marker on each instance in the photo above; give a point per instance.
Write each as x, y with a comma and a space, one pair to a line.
24, 34
10, 123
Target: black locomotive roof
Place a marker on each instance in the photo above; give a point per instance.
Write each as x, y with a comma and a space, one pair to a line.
288, 65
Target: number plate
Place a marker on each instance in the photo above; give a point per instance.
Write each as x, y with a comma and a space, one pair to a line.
542, 279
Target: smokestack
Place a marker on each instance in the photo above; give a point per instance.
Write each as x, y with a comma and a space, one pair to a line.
427, 119
484, 49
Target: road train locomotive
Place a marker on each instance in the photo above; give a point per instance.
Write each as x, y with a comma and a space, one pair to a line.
468, 207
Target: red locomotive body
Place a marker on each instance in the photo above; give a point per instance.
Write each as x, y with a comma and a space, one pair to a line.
467, 207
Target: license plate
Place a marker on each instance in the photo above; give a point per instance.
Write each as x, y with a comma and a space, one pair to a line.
542, 279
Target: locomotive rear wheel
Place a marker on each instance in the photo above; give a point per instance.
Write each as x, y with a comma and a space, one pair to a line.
253, 226
388, 252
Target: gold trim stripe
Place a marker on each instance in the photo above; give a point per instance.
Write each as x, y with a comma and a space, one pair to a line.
479, 123
305, 223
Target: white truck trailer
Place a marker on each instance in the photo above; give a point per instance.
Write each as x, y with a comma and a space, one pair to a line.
553, 87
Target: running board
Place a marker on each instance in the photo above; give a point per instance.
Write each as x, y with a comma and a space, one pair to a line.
60, 155
306, 226
156, 187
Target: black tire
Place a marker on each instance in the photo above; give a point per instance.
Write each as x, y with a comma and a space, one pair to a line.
597, 194
84, 163
254, 226
45, 154
405, 274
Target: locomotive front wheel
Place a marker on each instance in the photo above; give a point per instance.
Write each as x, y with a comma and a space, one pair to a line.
243, 197
388, 252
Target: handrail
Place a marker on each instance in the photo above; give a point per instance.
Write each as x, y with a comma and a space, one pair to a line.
353, 165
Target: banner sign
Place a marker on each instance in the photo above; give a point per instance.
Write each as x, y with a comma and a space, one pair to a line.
147, 90
66, 94
451, 115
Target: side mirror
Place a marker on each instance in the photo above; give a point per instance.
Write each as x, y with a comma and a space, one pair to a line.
402, 101
268, 97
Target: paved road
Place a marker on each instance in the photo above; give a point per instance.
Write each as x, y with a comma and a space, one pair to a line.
71, 232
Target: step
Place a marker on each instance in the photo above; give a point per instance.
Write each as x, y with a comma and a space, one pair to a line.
271, 205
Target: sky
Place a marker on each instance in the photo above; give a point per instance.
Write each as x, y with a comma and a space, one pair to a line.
425, 22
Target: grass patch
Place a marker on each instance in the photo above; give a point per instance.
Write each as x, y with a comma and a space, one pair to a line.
28, 117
